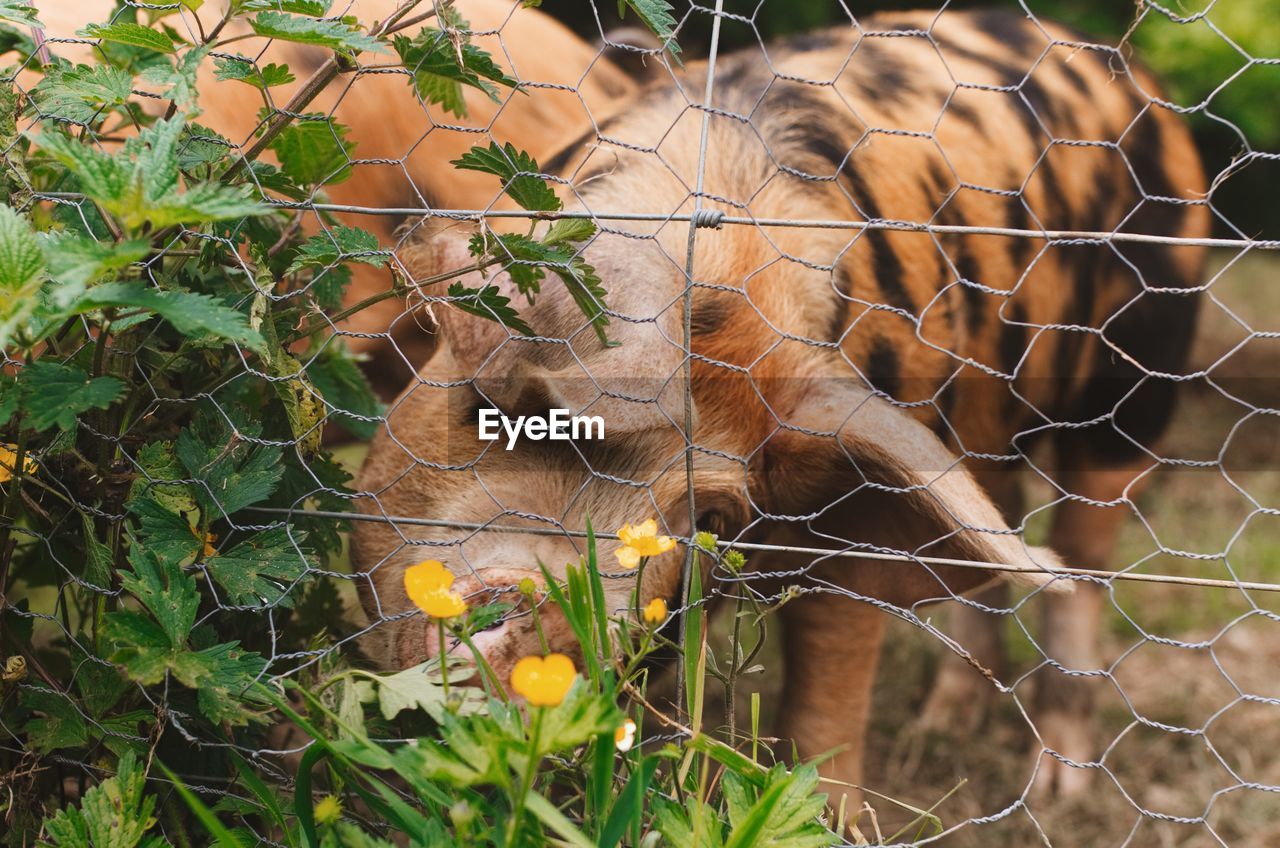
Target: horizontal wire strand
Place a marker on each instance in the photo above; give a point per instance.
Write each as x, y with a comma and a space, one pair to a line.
1063, 571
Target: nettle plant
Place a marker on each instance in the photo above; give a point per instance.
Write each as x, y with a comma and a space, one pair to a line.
169, 366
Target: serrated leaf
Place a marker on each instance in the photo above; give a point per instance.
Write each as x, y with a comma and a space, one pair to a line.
61, 726
80, 94
242, 69
523, 258
518, 171
336, 374
22, 264
440, 69
489, 303
192, 314
302, 404
336, 35
139, 183
178, 81
235, 472
587, 291
338, 242
420, 688
657, 16
166, 534
314, 152
54, 394
75, 260
127, 32
159, 468
260, 571
22, 272
314, 8
167, 593
18, 12
117, 813
569, 230
222, 675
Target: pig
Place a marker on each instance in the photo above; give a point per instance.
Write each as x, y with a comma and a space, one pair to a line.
850, 389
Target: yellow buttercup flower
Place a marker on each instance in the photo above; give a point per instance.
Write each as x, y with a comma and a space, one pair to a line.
9, 462
427, 584
641, 540
655, 612
625, 736
543, 681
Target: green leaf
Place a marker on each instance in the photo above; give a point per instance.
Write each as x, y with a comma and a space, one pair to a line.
167, 593
550, 815
117, 813
22, 272
440, 69
54, 394
62, 726
81, 94
261, 571
222, 836
18, 12
235, 472
518, 171
579, 718
785, 813
489, 303
138, 184
127, 32
22, 266
314, 8
338, 243
178, 82
160, 469
192, 314
336, 374
314, 151
656, 15
336, 35
569, 230
420, 688
242, 69
75, 260
166, 534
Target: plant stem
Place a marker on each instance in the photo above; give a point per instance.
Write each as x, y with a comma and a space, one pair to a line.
444, 660
530, 770
488, 677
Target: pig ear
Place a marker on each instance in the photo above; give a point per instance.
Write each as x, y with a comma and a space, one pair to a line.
892, 483
439, 250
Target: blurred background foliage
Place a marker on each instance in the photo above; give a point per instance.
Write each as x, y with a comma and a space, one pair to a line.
1204, 62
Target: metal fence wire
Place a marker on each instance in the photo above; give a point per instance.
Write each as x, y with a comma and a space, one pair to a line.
847, 271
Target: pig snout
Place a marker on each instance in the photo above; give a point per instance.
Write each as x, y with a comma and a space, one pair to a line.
515, 635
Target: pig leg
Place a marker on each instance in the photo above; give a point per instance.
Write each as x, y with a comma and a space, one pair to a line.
958, 701
1063, 710
832, 646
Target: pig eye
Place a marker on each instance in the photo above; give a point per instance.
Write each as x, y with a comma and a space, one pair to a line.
714, 521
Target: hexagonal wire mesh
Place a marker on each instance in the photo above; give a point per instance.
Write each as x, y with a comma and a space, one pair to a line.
986, 223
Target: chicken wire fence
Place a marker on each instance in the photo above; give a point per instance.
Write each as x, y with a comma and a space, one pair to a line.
1179, 701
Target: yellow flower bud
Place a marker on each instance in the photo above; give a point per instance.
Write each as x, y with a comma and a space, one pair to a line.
655, 612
